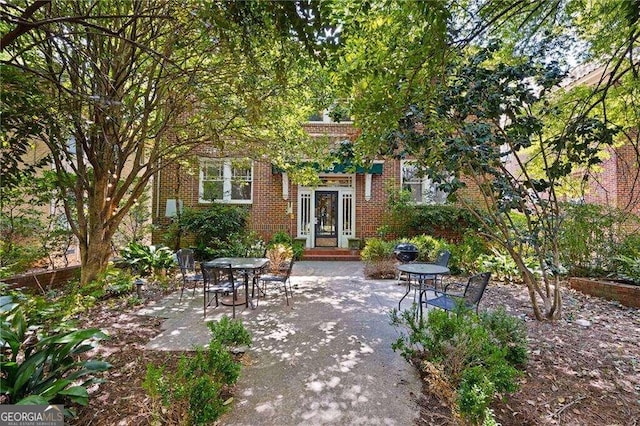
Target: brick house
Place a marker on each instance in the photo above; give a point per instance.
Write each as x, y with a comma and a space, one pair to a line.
616, 183
347, 204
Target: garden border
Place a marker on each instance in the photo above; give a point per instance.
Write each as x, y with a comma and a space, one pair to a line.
48, 279
626, 294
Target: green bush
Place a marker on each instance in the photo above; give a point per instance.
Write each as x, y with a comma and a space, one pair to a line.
376, 249
44, 369
477, 356
145, 260
58, 309
229, 332
195, 392
629, 268
587, 238
429, 218
466, 253
282, 237
427, 246
116, 282
216, 230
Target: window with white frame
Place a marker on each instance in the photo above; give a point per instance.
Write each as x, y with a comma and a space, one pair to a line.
226, 180
422, 189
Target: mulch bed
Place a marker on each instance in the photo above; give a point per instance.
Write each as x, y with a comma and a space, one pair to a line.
582, 370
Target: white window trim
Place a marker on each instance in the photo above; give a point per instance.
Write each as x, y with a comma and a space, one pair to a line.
426, 185
226, 183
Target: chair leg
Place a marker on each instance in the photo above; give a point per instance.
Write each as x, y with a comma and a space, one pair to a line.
184, 283
284, 284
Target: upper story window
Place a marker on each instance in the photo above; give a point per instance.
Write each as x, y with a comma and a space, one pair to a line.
336, 113
226, 180
422, 189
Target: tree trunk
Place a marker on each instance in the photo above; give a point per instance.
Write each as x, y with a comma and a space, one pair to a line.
95, 258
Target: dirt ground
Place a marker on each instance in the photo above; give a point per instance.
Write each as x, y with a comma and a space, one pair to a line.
579, 372
582, 370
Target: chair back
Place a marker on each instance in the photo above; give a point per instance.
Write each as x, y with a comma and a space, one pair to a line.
216, 274
290, 267
443, 258
186, 260
475, 288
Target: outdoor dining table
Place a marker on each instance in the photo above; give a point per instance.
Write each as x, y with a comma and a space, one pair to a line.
420, 271
244, 265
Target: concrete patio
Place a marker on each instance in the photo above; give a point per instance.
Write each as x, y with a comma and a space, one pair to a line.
325, 359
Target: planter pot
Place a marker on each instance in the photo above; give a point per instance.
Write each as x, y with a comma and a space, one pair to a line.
626, 294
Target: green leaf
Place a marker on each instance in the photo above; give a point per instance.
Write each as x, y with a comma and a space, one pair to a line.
33, 400
56, 388
77, 394
25, 372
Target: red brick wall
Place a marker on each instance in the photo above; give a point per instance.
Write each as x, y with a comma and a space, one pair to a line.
369, 214
628, 168
618, 182
628, 295
269, 210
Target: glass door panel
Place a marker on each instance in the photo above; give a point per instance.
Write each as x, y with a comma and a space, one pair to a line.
326, 219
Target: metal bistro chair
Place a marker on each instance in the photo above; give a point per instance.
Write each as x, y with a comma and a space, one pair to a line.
430, 282
187, 266
473, 292
280, 279
218, 279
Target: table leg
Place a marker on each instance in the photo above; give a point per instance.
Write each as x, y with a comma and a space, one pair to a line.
407, 292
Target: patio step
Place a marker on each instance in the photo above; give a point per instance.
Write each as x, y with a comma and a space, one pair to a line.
330, 254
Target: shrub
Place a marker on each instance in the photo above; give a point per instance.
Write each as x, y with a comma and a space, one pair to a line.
147, 259
466, 253
214, 229
629, 268
468, 358
195, 391
429, 218
376, 249
283, 238
427, 246
279, 255
44, 369
588, 238
501, 265
229, 332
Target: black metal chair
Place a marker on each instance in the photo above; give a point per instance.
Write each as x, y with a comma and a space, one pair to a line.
218, 280
278, 278
473, 291
187, 265
430, 282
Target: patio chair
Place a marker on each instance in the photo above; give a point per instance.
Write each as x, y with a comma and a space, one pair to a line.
218, 280
278, 278
430, 282
187, 265
473, 291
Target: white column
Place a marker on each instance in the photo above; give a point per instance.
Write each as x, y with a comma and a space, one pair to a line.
367, 186
285, 186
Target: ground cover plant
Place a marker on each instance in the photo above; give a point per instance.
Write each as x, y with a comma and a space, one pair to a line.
45, 367
197, 392
467, 360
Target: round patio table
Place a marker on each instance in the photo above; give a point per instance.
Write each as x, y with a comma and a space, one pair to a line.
421, 271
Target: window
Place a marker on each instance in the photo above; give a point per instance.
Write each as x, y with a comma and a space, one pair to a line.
422, 189
226, 180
